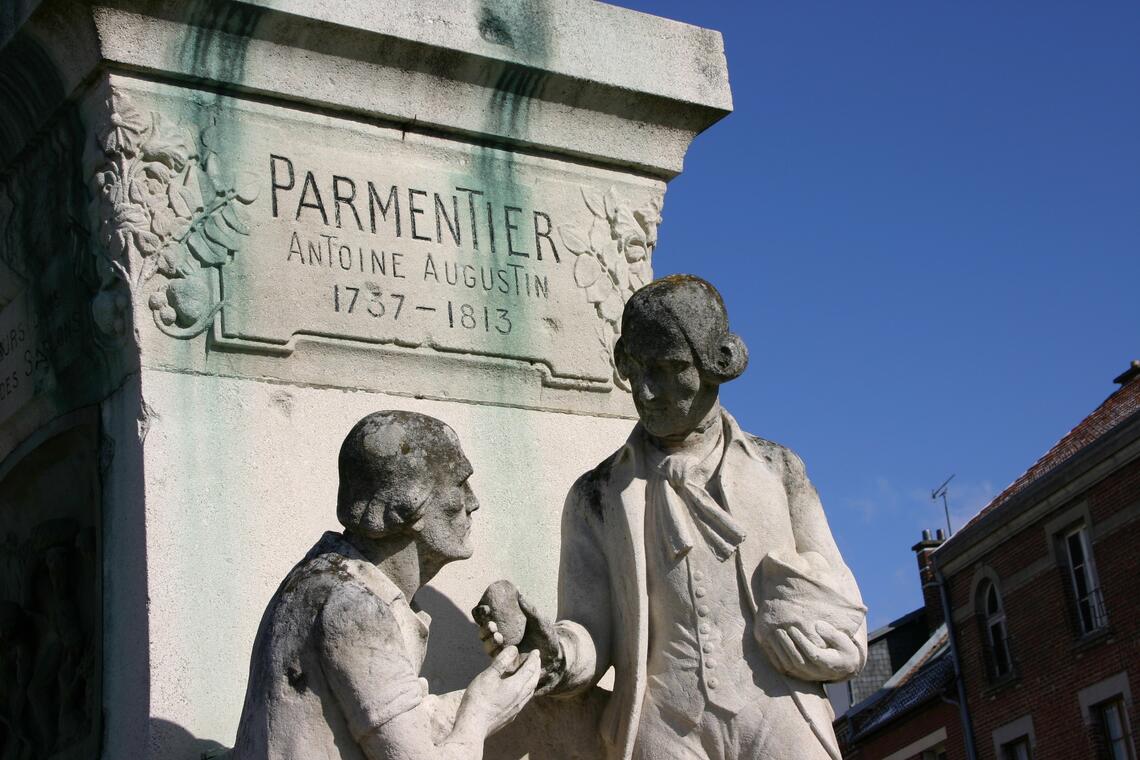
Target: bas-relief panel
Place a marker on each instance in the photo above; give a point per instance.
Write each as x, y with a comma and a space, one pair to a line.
50, 602
261, 225
49, 346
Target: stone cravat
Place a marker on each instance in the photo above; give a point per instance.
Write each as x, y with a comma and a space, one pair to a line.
683, 504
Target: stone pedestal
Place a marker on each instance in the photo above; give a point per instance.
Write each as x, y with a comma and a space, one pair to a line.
228, 230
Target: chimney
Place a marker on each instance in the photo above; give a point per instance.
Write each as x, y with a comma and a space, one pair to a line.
1129, 374
931, 598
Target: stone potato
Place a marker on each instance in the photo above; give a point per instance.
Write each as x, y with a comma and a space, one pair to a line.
503, 599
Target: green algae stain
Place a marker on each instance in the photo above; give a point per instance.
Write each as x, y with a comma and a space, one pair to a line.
211, 432
525, 30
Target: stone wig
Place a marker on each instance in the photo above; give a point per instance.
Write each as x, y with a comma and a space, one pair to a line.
697, 309
391, 463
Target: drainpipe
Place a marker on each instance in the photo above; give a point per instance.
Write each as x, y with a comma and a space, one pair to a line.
963, 710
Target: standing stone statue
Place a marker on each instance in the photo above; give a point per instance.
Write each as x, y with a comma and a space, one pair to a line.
335, 666
697, 561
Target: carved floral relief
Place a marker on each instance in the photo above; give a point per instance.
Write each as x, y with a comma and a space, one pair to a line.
614, 258
162, 195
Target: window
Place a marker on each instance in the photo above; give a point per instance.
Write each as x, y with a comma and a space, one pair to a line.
994, 631
1112, 722
935, 753
1082, 574
1018, 749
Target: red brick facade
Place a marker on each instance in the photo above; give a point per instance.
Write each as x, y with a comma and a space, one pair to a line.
924, 722
1052, 660
1059, 548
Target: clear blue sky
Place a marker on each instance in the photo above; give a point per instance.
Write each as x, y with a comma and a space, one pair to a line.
923, 217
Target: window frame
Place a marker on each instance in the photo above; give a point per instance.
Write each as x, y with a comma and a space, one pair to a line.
1001, 668
1124, 740
1009, 749
1089, 610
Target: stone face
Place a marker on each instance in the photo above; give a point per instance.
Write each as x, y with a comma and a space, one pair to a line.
229, 231
663, 540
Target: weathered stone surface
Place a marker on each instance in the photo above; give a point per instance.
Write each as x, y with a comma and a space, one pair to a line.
156, 272
697, 563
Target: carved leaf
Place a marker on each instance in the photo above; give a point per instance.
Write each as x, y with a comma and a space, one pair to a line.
220, 175
147, 242
205, 250
247, 187
207, 190
124, 132
649, 217
167, 224
176, 196
611, 308
210, 138
599, 290
587, 270
149, 267
614, 203
640, 274
574, 241
594, 202
108, 187
176, 261
221, 234
186, 196
169, 144
629, 232
236, 218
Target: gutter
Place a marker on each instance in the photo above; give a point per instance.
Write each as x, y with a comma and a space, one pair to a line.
963, 708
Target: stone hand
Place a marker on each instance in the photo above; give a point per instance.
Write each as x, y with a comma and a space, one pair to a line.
496, 695
506, 618
797, 654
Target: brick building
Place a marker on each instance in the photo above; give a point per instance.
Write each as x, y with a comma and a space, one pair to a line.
1041, 652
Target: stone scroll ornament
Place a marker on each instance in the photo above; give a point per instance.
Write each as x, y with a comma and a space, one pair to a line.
614, 259
162, 196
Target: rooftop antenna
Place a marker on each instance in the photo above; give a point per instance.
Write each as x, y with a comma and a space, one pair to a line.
942, 490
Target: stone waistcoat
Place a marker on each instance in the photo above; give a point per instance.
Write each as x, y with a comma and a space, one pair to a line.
697, 615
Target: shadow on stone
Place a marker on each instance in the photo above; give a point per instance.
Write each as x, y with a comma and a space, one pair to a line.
547, 729
176, 743
552, 728
454, 654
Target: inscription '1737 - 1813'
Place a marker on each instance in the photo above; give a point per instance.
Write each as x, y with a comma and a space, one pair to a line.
506, 239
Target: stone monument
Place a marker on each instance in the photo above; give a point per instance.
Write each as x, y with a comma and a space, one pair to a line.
697, 562
229, 229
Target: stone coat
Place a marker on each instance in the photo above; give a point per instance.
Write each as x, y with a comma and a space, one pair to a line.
337, 656
603, 604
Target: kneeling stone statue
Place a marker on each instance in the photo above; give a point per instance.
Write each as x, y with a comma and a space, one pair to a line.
697, 562
335, 666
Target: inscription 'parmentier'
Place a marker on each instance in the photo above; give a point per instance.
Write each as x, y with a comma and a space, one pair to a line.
368, 207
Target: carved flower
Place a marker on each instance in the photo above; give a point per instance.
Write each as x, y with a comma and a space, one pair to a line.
108, 187
127, 231
168, 144
149, 185
153, 186
126, 126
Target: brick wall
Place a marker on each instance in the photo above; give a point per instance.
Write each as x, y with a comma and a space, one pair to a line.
912, 727
1052, 662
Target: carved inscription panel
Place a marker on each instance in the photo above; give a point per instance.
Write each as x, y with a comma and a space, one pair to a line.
303, 226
